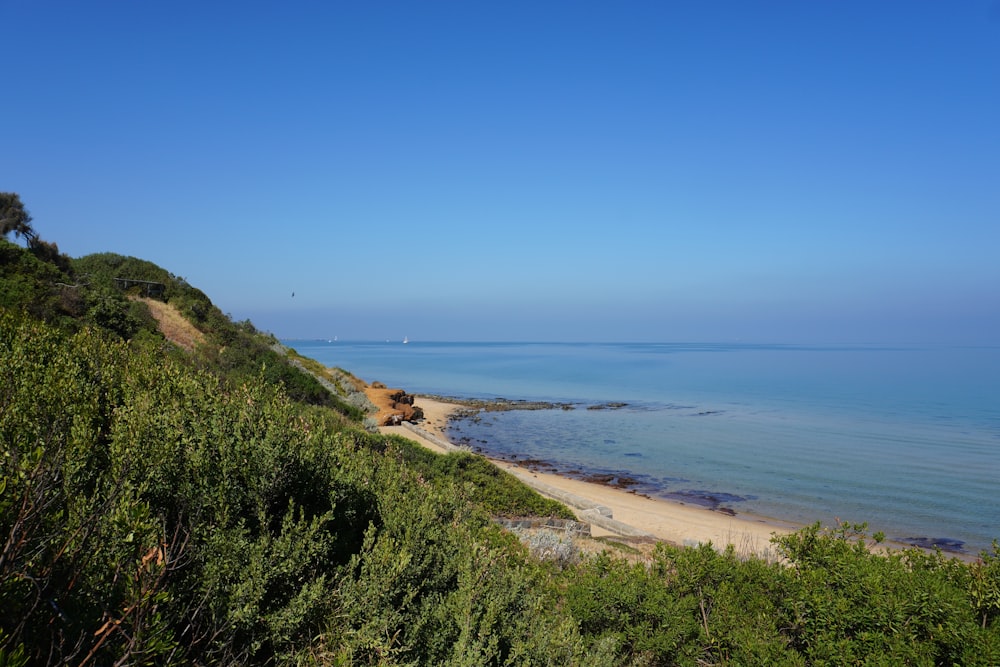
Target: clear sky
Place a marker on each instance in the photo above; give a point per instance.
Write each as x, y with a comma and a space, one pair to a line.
762, 170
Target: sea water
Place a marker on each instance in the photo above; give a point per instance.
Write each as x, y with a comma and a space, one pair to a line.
906, 438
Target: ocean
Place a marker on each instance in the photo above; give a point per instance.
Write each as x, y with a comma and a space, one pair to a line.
905, 438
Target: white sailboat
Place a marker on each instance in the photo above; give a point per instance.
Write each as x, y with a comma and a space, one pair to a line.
405, 340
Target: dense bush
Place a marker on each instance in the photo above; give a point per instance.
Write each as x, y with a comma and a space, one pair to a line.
218, 507
150, 517
833, 601
30, 284
846, 603
482, 482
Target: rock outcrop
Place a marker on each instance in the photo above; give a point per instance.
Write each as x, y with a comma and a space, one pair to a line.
395, 406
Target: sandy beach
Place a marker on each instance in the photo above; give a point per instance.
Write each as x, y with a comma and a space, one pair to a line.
674, 522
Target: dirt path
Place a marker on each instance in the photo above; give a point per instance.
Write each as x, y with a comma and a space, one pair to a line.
173, 325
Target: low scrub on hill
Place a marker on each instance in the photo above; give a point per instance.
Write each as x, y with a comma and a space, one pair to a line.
221, 505
150, 517
147, 516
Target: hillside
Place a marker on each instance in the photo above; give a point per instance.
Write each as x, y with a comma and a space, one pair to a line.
172, 324
177, 488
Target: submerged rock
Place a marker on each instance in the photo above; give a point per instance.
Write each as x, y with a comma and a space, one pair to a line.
942, 543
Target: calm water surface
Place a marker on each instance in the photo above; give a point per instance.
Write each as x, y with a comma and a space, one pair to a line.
904, 437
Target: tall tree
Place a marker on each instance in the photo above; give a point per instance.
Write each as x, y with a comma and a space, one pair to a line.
15, 218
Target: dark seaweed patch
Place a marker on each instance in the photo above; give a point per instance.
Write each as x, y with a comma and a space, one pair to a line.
713, 500
942, 543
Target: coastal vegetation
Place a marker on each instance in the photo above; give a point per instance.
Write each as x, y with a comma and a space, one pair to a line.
224, 503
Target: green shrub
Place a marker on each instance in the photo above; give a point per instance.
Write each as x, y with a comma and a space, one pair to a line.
30, 284
846, 603
482, 482
159, 508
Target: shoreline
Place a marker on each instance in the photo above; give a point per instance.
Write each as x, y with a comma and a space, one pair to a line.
659, 519
612, 510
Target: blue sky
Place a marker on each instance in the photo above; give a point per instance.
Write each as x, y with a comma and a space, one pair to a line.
822, 171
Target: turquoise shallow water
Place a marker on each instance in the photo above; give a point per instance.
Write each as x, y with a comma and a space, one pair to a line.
904, 437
